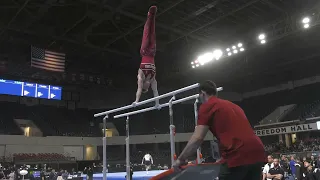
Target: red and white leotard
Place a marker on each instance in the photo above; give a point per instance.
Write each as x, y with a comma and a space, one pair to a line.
147, 66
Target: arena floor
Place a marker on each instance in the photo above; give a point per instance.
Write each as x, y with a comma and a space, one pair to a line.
137, 175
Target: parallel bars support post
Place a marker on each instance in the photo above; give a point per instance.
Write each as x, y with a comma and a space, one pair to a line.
128, 168
104, 147
172, 131
195, 106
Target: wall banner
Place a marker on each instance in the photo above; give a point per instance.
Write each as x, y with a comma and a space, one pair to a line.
287, 129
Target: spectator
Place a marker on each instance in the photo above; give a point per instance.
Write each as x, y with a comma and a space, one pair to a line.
311, 173
65, 175
313, 162
276, 173
90, 173
299, 168
318, 162
52, 175
2, 176
284, 164
292, 166
267, 167
11, 175
42, 175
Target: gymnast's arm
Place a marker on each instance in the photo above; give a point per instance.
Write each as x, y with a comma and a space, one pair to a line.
140, 86
154, 87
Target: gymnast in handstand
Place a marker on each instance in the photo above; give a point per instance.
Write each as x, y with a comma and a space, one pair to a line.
147, 71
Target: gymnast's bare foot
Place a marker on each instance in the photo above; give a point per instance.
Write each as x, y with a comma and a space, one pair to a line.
152, 11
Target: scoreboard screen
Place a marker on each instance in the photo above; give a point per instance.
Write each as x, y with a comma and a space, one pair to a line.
19, 88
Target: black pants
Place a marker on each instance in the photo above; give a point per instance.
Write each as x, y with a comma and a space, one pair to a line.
247, 172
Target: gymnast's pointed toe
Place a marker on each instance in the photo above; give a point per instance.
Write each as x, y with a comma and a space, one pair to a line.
152, 10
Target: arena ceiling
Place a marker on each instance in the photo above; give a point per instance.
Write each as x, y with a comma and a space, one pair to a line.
104, 36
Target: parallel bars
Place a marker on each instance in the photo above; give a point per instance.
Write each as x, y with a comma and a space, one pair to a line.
172, 127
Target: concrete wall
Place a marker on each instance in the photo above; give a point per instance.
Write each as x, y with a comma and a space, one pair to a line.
74, 151
2, 150
11, 149
71, 146
92, 141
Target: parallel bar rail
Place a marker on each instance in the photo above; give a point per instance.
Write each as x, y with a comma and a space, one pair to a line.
161, 106
149, 100
154, 108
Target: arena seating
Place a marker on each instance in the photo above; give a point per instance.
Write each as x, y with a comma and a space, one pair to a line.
39, 157
64, 122
305, 145
51, 120
303, 111
7, 125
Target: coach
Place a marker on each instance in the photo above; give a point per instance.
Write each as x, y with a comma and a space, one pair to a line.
241, 150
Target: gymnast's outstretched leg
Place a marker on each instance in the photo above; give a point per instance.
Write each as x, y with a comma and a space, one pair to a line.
148, 45
147, 70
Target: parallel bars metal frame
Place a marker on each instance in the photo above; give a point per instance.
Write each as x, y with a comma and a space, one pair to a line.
172, 127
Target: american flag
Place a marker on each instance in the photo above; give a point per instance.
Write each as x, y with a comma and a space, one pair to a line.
47, 60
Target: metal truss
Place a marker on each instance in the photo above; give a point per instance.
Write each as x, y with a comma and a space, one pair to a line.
215, 20
101, 16
276, 30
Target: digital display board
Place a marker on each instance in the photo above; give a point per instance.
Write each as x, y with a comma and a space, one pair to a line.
18, 88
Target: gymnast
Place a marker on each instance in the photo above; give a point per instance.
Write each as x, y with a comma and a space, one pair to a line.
147, 161
147, 71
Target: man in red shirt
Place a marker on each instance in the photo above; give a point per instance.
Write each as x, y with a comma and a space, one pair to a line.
241, 150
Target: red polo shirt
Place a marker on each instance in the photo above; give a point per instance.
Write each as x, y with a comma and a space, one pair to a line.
238, 143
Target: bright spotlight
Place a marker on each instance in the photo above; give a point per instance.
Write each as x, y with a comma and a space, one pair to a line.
305, 20
229, 54
262, 36
191, 62
240, 45
306, 26
234, 47
197, 65
217, 54
228, 49
205, 58
263, 41
193, 67
241, 49
235, 51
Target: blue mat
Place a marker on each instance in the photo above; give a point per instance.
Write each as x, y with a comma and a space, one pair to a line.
137, 175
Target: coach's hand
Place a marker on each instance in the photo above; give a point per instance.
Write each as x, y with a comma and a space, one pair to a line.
177, 164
